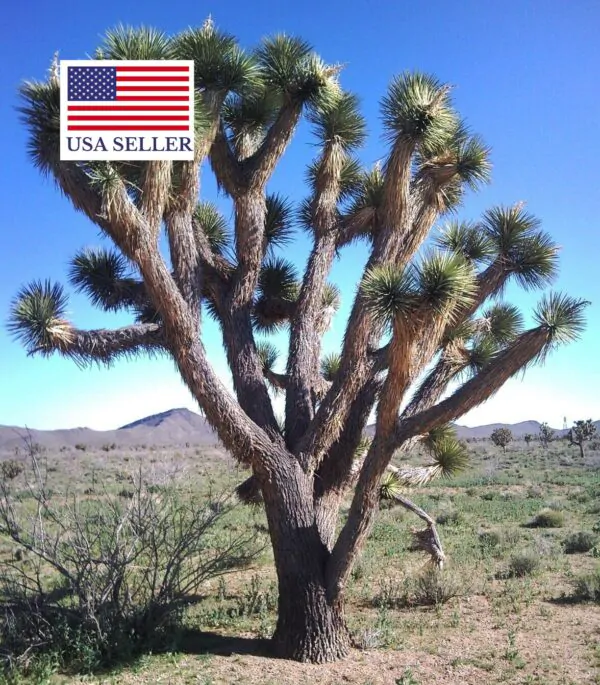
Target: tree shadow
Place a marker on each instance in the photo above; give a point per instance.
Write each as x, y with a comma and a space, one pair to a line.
191, 641
568, 600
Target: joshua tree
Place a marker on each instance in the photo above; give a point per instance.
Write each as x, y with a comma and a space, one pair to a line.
501, 437
528, 438
581, 432
418, 321
546, 435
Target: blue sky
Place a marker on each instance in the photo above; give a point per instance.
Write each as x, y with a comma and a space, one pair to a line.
524, 75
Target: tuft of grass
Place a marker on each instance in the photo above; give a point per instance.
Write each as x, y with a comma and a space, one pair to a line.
581, 542
547, 518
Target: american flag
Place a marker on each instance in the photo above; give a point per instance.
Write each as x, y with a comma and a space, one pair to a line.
129, 98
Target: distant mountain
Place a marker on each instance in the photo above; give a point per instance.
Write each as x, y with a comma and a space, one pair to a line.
181, 426
519, 430
173, 427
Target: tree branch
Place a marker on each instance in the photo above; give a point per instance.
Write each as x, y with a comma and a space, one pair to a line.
259, 167
475, 391
105, 345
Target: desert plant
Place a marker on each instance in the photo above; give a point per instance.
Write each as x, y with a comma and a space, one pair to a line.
546, 435
547, 518
580, 433
448, 517
105, 574
580, 542
10, 469
501, 437
587, 586
528, 437
435, 587
431, 305
523, 564
489, 540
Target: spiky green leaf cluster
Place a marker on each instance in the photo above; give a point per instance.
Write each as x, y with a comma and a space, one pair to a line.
562, 316
37, 316
339, 122
465, 238
105, 277
248, 117
268, 354
369, 193
128, 42
529, 252
212, 223
290, 68
331, 296
389, 292
481, 352
449, 456
278, 278
438, 434
445, 279
277, 290
502, 323
330, 365
417, 109
220, 65
390, 485
472, 159
279, 228
40, 112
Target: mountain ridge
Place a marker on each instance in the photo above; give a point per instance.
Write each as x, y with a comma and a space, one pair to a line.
180, 426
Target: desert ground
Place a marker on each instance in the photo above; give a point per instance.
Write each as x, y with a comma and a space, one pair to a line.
507, 609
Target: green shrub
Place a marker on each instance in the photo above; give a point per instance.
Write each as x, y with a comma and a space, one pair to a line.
489, 539
435, 588
587, 587
547, 518
10, 469
446, 518
580, 542
523, 564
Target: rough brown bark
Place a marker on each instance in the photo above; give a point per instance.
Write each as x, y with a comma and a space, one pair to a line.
309, 627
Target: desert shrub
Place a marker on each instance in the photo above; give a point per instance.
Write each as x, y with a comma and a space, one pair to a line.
392, 594
10, 469
580, 542
587, 586
255, 599
489, 539
434, 588
547, 518
523, 564
535, 492
81, 447
450, 517
106, 577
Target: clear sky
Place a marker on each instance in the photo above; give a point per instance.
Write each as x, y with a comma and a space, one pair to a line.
525, 75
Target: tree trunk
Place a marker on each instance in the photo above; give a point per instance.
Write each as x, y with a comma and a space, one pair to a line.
581, 450
309, 626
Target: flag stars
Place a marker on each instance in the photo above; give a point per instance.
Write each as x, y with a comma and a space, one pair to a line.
92, 83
